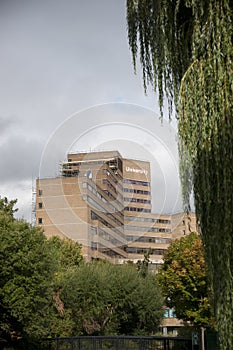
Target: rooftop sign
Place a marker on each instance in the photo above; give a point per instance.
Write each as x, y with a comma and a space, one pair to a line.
138, 171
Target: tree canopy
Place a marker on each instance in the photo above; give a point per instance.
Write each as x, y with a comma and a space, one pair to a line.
47, 290
66, 252
183, 278
186, 52
107, 299
30, 271
26, 271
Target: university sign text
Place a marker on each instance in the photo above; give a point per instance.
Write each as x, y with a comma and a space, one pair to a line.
138, 171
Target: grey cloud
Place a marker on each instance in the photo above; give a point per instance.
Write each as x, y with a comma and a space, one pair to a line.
57, 58
5, 124
19, 159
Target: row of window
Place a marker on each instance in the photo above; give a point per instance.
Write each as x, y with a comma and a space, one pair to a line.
106, 182
140, 210
134, 182
92, 189
112, 253
70, 173
137, 200
94, 216
97, 194
146, 239
112, 197
106, 251
107, 172
138, 250
105, 235
146, 229
100, 208
132, 190
142, 219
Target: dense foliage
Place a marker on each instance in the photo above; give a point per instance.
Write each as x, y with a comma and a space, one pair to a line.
67, 253
47, 290
183, 278
29, 266
108, 299
186, 51
26, 271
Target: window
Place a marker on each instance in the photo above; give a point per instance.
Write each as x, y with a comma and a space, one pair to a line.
96, 205
40, 221
146, 229
137, 209
40, 205
147, 239
134, 182
139, 218
105, 171
162, 221
138, 250
94, 246
134, 218
89, 174
131, 190
169, 313
94, 216
137, 200
40, 192
94, 230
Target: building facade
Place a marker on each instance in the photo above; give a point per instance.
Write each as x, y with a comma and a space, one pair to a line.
103, 201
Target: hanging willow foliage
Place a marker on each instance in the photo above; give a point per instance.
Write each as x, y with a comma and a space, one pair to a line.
186, 52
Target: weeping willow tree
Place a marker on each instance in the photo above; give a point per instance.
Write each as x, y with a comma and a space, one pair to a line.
186, 53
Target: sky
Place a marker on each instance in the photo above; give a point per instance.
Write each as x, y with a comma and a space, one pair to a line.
67, 84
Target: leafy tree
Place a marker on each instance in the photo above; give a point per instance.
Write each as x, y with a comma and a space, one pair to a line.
110, 299
32, 269
183, 279
67, 255
67, 252
186, 52
7, 207
26, 270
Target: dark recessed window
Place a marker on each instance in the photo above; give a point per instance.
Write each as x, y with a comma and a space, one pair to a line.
40, 192
40, 205
40, 221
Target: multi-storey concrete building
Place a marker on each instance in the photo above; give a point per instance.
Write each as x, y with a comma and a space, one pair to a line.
103, 201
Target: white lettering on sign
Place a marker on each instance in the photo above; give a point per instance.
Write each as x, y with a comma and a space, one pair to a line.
138, 171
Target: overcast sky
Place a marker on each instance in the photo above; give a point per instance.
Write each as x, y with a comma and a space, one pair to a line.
67, 83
